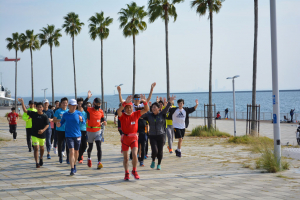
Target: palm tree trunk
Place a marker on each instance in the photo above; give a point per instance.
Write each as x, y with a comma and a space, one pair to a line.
133, 83
253, 123
16, 72
102, 86
74, 68
52, 81
210, 72
167, 53
32, 86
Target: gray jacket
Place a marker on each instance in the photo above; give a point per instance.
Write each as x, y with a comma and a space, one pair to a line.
157, 122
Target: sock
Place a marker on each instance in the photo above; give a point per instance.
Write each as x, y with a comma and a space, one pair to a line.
134, 169
89, 159
127, 172
179, 150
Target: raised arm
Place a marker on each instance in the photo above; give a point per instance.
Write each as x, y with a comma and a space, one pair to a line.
89, 95
166, 109
196, 104
151, 91
120, 95
23, 105
146, 106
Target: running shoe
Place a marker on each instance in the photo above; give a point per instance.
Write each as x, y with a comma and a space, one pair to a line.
63, 153
67, 161
80, 161
99, 165
41, 162
135, 174
179, 154
158, 167
89, 163
126, 177
15, 139
176, 151
38, 165
55, 150
152, 165
145, 157
48, 156
75, 170
142, 164
60, 160
72, 172
29, 150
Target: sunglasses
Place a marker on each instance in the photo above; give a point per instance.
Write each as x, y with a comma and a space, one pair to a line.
137, 98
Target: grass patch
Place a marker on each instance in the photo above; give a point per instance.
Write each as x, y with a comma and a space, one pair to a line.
265, 147
204, 131
246, 165
285, 177
109, 122
4, 139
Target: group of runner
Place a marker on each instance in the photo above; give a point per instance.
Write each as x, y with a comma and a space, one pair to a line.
74, 123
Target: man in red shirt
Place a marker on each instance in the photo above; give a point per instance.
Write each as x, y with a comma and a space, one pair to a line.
129, 121
12, 119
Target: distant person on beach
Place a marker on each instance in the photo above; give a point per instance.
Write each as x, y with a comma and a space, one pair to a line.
218, 115
180, 118
40, 124
292, 114
226, 113
28, 121
72, 120
12, 119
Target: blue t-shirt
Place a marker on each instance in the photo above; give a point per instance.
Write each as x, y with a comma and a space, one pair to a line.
83, 126
72, 123
50, 115
58, 114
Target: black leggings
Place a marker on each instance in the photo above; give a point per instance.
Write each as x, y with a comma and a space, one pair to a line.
28, 137
99, 151
60, 139
82, 144
13, 130
142, 141
157, 144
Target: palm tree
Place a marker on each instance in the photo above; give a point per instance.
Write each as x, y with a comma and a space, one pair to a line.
73, 27
98, 28
31, 42
50, 36
253, 123
201, 7
164, 9
14, 43
131, 19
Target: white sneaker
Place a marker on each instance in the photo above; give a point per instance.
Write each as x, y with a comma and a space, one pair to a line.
15, 139
55, 150
51, 146
63, 153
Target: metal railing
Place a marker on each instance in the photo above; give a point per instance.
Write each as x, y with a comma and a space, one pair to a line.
243, 115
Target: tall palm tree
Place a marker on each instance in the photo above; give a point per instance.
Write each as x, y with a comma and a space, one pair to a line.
98, 28
202, 6
253, 123
73, 27
50, 36
30, 41
14, 43
131, 19
164, 9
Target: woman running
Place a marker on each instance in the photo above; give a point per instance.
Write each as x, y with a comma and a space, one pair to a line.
157, 123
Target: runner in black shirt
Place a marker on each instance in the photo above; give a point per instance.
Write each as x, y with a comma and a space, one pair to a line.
40, 123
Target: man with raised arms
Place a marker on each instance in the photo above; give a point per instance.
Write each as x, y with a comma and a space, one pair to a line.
129, 121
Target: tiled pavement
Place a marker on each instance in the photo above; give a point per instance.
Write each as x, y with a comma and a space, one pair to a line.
202, 173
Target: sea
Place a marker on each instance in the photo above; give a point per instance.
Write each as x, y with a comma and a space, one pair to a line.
289, 99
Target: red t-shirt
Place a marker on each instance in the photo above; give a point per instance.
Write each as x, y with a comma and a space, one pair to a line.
13, 118
129, 123
94, 119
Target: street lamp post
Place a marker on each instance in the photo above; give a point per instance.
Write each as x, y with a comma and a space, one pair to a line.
45, 92
234, 112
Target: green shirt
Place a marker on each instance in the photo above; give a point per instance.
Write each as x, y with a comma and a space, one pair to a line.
26, 118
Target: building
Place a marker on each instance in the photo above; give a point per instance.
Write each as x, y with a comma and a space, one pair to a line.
5, 97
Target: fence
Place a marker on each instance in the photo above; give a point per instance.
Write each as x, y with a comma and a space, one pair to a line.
243, 115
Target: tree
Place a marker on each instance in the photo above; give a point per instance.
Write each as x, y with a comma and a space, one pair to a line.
14, 43
50, 36
202, 6
164, 9
31, 42
98, 28
131, 20
253, 123
73, 27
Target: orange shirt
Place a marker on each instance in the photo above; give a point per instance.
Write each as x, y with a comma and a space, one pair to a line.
94, 119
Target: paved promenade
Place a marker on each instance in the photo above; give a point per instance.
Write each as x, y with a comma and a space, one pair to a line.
209, 169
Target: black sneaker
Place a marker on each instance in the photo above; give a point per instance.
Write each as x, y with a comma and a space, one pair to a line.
38, 165
179, 154
41, 162
176, 151
29, 150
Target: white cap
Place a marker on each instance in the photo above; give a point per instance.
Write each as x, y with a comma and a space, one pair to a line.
73, 102
45, 101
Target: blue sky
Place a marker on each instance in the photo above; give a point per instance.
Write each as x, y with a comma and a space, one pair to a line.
188, 48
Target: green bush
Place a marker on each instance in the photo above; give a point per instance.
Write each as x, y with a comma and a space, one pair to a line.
204, 131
